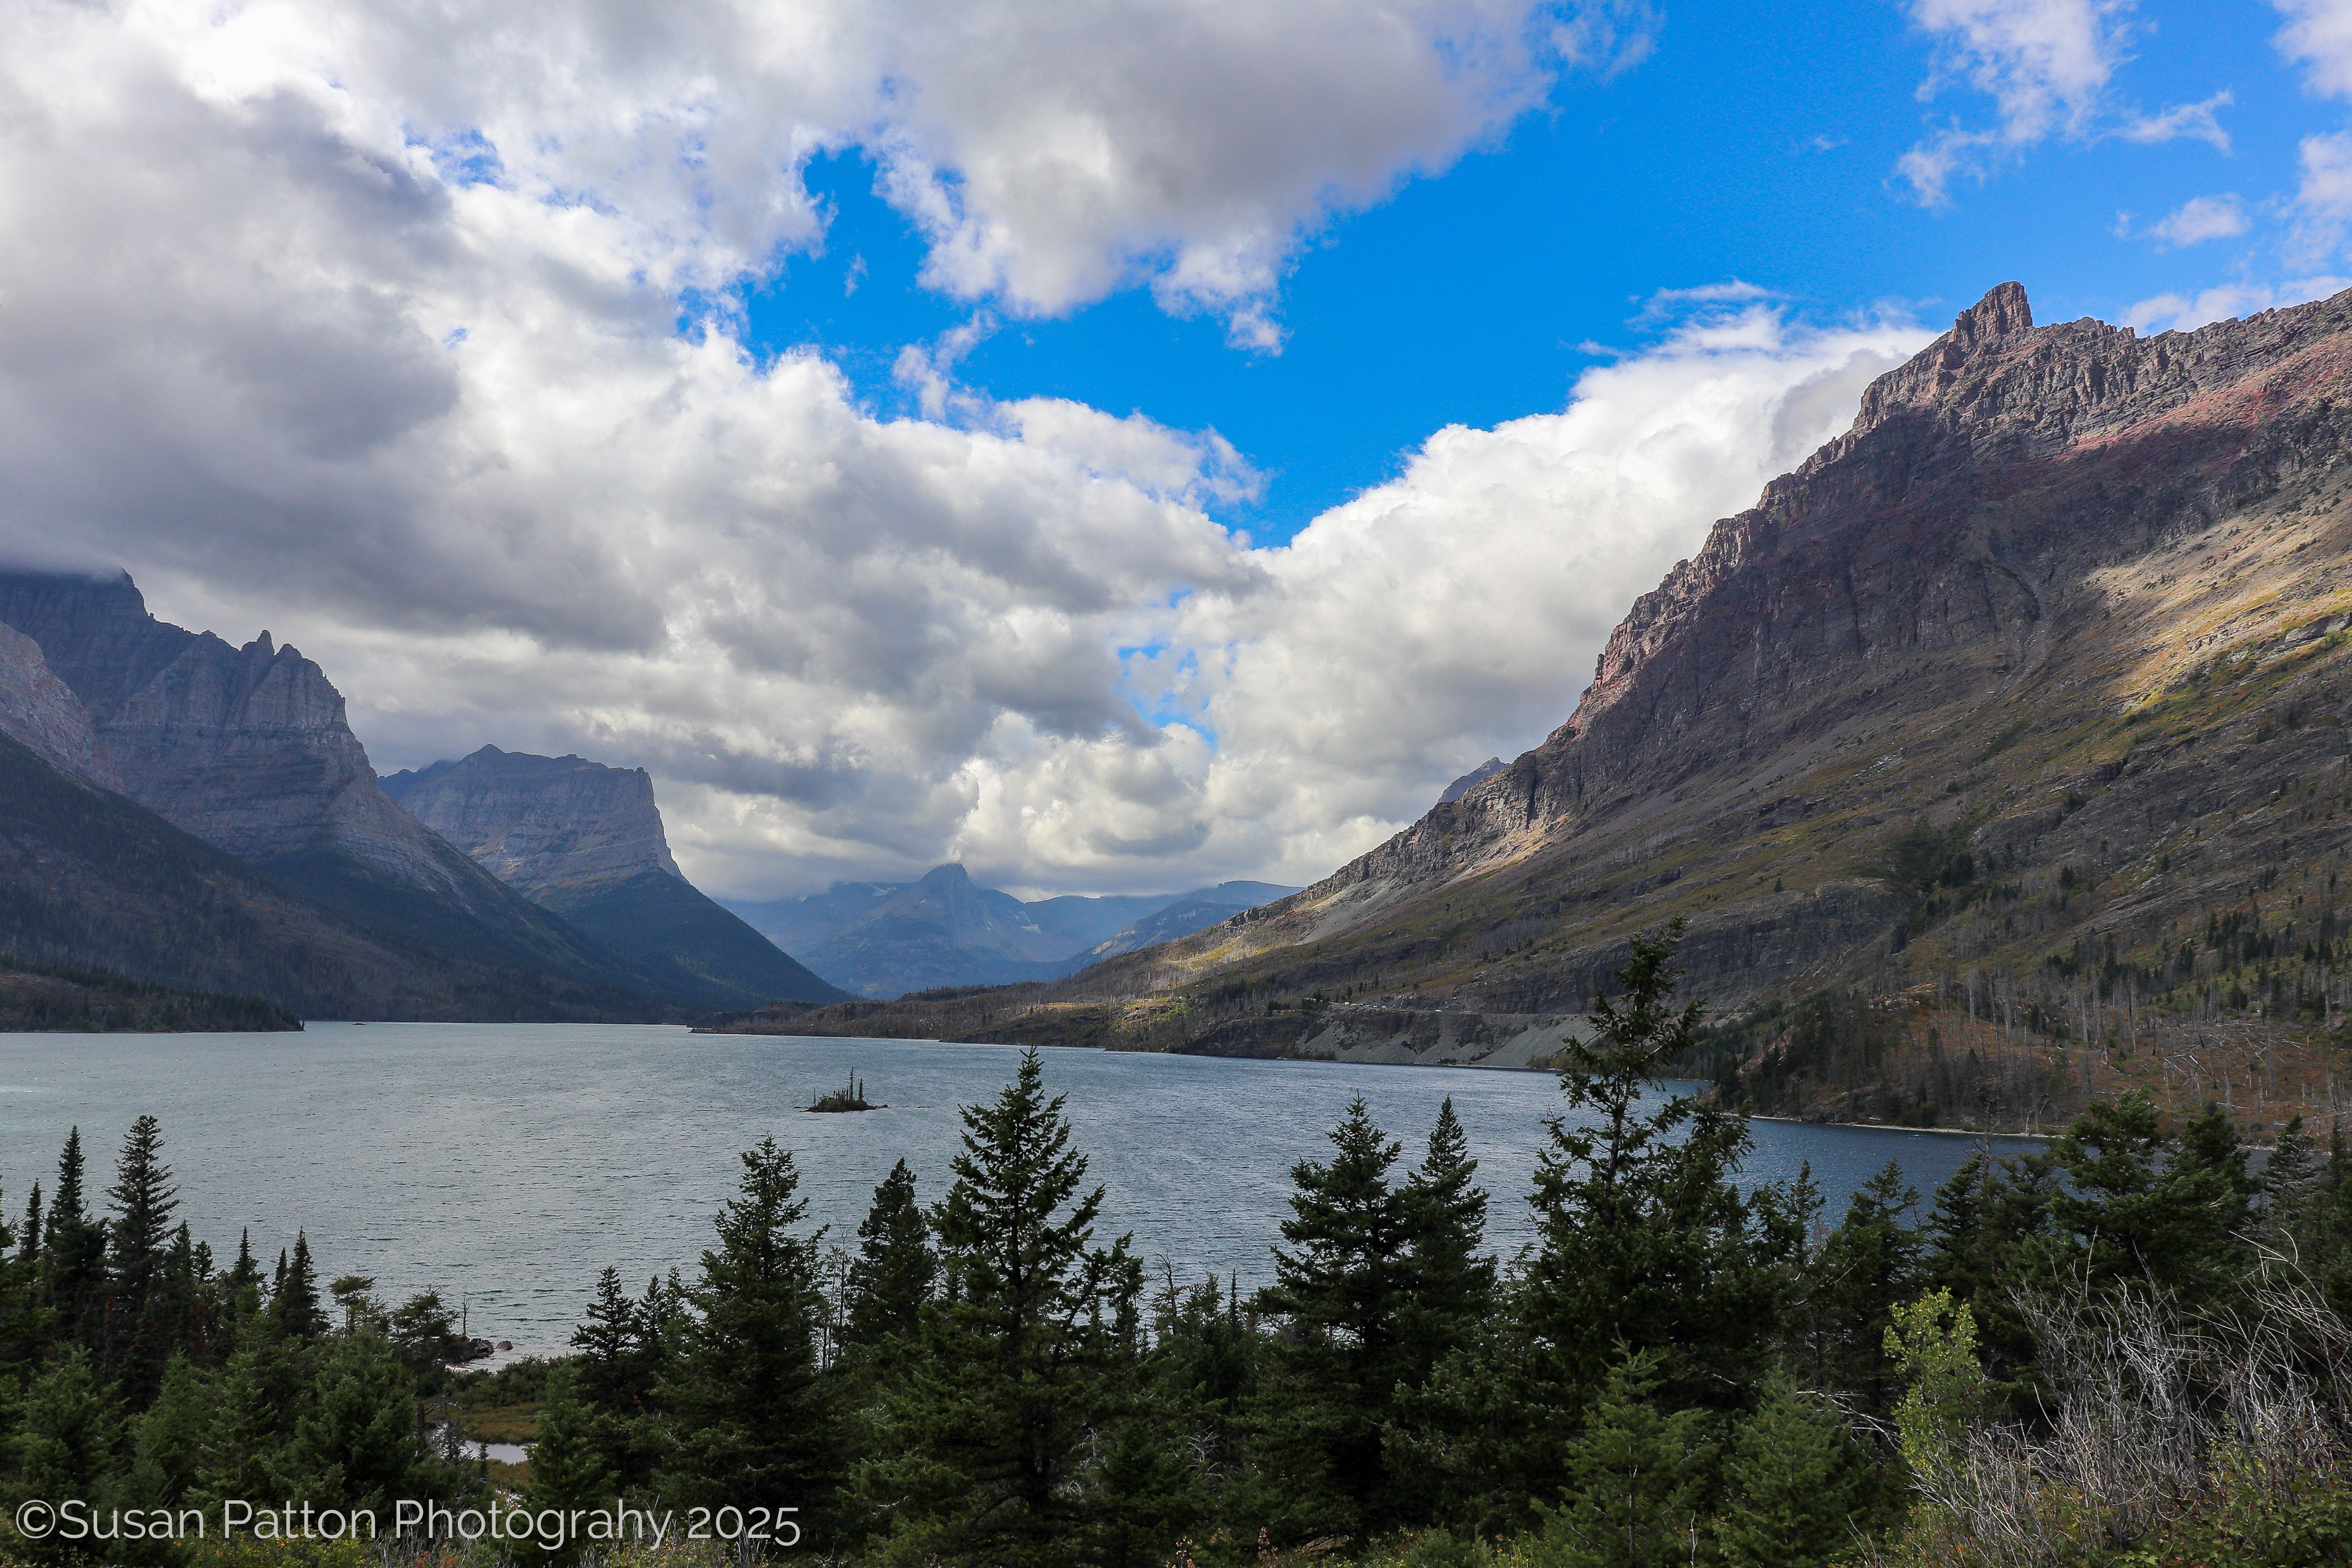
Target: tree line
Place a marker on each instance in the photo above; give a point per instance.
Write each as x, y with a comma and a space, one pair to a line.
1674, 1371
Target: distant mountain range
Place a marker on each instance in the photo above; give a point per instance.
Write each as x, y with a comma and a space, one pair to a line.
885, 939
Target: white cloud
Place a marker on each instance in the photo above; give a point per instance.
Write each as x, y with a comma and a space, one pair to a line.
2319, 34
319, 329
2047, 66
2201, 218
2184, 312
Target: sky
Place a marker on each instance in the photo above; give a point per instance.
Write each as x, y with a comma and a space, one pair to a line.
1119, 445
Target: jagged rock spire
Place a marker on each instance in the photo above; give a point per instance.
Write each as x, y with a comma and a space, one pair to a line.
1998, 314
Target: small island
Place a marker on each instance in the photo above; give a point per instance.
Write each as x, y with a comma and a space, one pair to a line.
849, 1097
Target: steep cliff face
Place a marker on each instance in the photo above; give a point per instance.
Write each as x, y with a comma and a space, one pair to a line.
37, 709
542, 824
248, 749
585, 841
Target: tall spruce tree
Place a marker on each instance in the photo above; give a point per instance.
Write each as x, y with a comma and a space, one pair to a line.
73, 1251
984, 1458
892, 1276
294, 1304
1869, 1265
1343, 1287
1643, 1240
751, 1419
139, 1330
1449, 1277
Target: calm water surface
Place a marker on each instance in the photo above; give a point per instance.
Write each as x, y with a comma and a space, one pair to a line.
506, 1165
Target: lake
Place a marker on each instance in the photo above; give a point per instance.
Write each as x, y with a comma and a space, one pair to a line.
506, 1165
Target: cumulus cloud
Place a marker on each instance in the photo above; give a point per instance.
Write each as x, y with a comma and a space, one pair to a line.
2184, 312
365, 331
2200, 218
2319, 34
2047, 66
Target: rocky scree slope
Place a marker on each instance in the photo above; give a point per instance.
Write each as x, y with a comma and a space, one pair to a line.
586, 841
2020, 707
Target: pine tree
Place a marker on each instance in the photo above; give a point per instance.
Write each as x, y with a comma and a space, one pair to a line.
568, 1470
237, 1455
144, 1200
359, 1443
294, 1301
70, 1431
985, 1453
891, 1277
1343, 1287
168, 1440
1870, 1264
1634, 1477
1449, 1280
1644, 1241
74, 1250
1796, 1490
752, 1418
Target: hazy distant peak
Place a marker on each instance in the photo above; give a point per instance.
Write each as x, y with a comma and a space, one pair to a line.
1470, 780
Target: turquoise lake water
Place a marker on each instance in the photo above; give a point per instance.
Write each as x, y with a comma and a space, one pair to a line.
506, 1165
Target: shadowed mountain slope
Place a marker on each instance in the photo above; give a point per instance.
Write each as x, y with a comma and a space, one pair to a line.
247, 750
586, 841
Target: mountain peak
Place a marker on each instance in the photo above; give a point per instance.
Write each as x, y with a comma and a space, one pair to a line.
2002, 312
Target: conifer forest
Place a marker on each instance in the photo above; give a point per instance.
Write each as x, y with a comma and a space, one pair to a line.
2133, 1347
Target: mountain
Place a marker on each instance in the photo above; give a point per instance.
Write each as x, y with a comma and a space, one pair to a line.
942, 931
247, 750
92, 881
586, 841
1189, 912
1475, 776
887, 938
1996, 760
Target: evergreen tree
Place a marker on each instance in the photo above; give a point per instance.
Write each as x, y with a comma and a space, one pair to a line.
237, 1455
1342, 1286
892, 1276
984, 1453
70, 1430
168, 1443
751, 1419
1449, 1280
294, 1301
1635, 1478
1869, 1265
1643, 1240
74, 1250
144, 1200
568, 1470
359, 1443
2137, 1206
1796, 1492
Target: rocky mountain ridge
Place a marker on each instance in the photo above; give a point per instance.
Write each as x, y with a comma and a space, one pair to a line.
2020, 709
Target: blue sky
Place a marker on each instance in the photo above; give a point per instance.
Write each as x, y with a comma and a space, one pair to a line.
1753, 143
